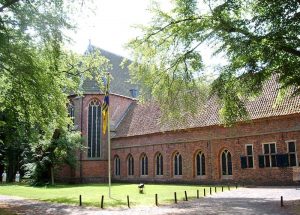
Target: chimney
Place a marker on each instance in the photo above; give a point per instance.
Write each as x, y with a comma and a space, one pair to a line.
133, 93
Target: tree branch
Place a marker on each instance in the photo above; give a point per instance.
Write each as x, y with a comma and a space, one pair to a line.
8, 4
290, 50
172, 23
225, 26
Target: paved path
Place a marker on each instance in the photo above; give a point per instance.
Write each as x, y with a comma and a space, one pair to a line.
244, 201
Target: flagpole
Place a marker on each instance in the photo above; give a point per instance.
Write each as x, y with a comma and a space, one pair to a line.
106, 127
108, 140
108, 143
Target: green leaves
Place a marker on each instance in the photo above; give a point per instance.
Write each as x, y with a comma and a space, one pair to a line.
259, 38
167, 64
37, 74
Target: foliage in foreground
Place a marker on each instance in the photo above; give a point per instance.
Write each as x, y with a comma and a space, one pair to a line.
260, 38
47, 155
37, 74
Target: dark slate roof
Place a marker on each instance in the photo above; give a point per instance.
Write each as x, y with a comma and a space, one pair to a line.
120, 82
145, 119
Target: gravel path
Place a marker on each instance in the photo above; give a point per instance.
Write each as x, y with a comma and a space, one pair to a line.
244, 201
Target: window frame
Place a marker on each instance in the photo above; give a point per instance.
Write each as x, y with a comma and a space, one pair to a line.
159, 171
130, 165
201, 175
252, 156
117, 166
177, 158
71, 112
144, 165
295, 153
227, 175
98, 131
270, 154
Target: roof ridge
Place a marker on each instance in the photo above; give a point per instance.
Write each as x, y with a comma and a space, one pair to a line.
143, 118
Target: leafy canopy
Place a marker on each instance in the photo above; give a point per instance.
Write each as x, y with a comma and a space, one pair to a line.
37, 74
259, 38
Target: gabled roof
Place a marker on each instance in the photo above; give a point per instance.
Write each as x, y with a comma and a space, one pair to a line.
120, 82
145, 119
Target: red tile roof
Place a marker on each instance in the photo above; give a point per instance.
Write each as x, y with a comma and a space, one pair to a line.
145, 118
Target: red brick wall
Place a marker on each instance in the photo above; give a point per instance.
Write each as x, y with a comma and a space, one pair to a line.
212, 141
118, 106
93, 169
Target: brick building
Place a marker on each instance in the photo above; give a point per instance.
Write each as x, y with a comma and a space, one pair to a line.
200, 150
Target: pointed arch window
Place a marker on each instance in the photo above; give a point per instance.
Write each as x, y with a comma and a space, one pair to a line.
71, 111
94, 127
177, 164
226, 163
159, 164
117, 165
130, 165
200, 164
144, 165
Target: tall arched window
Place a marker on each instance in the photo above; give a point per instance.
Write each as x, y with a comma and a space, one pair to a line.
226, 163
94, 129
130, 165
117, 165
159, 164
71, 111
144, 165
177, 164
200, 164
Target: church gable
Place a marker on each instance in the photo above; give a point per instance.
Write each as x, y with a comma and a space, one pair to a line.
120, 83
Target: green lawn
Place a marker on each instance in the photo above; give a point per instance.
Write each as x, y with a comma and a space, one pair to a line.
4, 211
91, 193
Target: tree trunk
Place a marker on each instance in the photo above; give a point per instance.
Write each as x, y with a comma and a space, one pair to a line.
52, 175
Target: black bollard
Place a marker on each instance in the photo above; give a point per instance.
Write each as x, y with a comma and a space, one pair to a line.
156, 200
80, 200
197, 194
281, 201
210, 191
186, 198
215, 189
128, 204
236, 186
102, 202
175, 198
204, 193
222, 188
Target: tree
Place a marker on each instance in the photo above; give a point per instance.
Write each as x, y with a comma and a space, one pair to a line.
260, 38
36, 72
47, 155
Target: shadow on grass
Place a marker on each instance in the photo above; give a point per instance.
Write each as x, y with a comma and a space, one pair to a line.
63, 200
6, 212
113, 202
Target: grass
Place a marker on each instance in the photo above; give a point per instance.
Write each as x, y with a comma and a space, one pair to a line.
6, 212
91, 193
